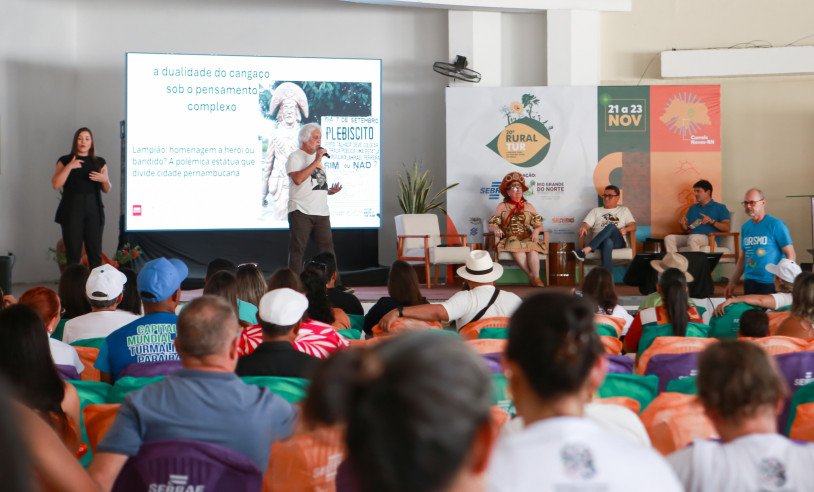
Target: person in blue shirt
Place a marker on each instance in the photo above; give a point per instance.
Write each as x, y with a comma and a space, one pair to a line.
149, 339
764, 240
703, 218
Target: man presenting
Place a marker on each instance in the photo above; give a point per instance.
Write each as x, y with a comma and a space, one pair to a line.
308, 197
764, 240
610, 223
703, 218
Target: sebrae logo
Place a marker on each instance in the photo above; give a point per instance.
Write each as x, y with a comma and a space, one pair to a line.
684, 114
525, 140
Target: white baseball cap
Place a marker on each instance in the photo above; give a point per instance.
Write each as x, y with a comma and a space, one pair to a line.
282, 307
105, 283
786, 269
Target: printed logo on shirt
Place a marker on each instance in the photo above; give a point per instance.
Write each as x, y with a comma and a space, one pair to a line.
578, 461
771, 472
177, 483
153, 343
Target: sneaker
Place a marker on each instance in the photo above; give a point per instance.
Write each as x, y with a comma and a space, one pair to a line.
579, 254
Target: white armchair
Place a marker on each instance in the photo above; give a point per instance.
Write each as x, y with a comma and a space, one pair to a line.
621, 256
419, 241
505, 257
727, 243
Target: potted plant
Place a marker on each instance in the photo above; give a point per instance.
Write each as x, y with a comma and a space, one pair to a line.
415, 190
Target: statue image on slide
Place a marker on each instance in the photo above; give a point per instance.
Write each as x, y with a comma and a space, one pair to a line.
291, 104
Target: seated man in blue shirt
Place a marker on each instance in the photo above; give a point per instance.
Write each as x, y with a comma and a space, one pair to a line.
147, 340
204, 401
703, 218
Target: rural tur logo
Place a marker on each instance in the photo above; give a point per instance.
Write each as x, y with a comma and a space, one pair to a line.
525, 140
684, 114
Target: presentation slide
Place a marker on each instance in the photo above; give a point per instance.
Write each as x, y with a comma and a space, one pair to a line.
208, 138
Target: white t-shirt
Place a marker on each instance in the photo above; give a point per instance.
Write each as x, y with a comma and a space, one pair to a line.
781, 300
311, 196
615, 419
600, 217
464, 305
96, 325
65, 355
574, 454
750, 463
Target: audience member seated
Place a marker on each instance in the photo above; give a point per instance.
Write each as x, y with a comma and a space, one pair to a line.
742, 393
554, 363
281, 314
245, 310
598, 287
314, 280
800, 322
418, 415
340, 297
33, 453
403, 290
675, 309
131, 300
71, 292
754, 323
480, 299
105, 291
251, 284
670, 260
251, 337
204, 401
224, 284
45, 303
26, 364
147, 340
784, 274
317, 336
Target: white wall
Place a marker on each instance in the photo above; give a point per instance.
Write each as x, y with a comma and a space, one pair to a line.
767, 122
407, 40
37, 121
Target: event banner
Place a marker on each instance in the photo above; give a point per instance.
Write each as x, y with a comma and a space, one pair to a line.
208, 138
653, 142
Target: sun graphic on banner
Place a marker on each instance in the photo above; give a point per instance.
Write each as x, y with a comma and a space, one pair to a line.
684, 114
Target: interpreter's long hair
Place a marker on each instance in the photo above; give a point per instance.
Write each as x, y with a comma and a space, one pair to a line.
27, 364
673, 285
91, 152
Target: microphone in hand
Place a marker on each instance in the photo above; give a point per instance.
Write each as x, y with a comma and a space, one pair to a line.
326, 155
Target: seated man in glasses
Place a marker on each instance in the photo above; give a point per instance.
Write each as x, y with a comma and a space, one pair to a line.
703, 218
609, 223
764, 240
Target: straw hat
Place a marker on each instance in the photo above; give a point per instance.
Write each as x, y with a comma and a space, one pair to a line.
672, 260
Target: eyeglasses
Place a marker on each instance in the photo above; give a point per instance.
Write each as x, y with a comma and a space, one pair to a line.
608, 196
751, 203
516, 188
317, 264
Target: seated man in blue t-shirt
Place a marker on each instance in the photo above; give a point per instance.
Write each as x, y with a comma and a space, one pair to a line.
764, 240
703, 218
149, 339
205, 401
